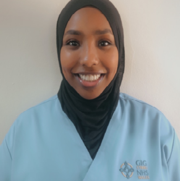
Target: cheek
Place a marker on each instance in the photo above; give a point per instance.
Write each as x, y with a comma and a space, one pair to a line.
67, 61
64, 57
111, 62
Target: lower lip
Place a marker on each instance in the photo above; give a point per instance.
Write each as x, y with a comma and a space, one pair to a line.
86, 83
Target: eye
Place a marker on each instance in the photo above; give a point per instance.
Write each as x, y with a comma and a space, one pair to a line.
72, 43
104, 43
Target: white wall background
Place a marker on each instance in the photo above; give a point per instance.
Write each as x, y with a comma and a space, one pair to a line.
29, 70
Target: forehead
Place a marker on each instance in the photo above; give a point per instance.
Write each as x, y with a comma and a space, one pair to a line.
87, 19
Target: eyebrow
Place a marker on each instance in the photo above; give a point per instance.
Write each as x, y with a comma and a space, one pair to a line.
97, 32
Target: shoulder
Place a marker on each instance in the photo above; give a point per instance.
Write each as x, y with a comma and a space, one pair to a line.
52, 101
35, 120
39, 113
131, 100
144, 114
43, 108
133, 104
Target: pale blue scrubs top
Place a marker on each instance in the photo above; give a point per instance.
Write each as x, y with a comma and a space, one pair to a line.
43, 145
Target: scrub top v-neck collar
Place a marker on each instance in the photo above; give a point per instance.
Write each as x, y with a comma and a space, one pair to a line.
105, 144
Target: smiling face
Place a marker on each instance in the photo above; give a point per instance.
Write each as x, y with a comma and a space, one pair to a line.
89, 56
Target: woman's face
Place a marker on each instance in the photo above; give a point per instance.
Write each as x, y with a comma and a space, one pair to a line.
89, 56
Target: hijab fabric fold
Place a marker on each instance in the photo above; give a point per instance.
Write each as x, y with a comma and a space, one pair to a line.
91, 117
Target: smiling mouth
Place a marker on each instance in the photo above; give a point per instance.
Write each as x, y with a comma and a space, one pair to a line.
89, 77
90, 80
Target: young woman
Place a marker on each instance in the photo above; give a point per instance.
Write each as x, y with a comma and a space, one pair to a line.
90, 132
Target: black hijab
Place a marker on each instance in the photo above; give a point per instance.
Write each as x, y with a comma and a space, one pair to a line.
91, 117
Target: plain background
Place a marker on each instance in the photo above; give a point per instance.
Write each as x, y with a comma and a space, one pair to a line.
29, 70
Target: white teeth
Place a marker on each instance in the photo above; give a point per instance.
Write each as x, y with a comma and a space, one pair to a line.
89, 77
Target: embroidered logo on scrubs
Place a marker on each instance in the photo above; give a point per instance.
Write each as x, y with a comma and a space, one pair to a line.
142, 169
127, 170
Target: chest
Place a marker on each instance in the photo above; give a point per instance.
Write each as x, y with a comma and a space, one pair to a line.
123, 154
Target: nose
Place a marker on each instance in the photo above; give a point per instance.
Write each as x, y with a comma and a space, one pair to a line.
89, 55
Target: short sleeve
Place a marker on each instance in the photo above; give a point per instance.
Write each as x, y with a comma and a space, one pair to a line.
5, 162
174, 160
